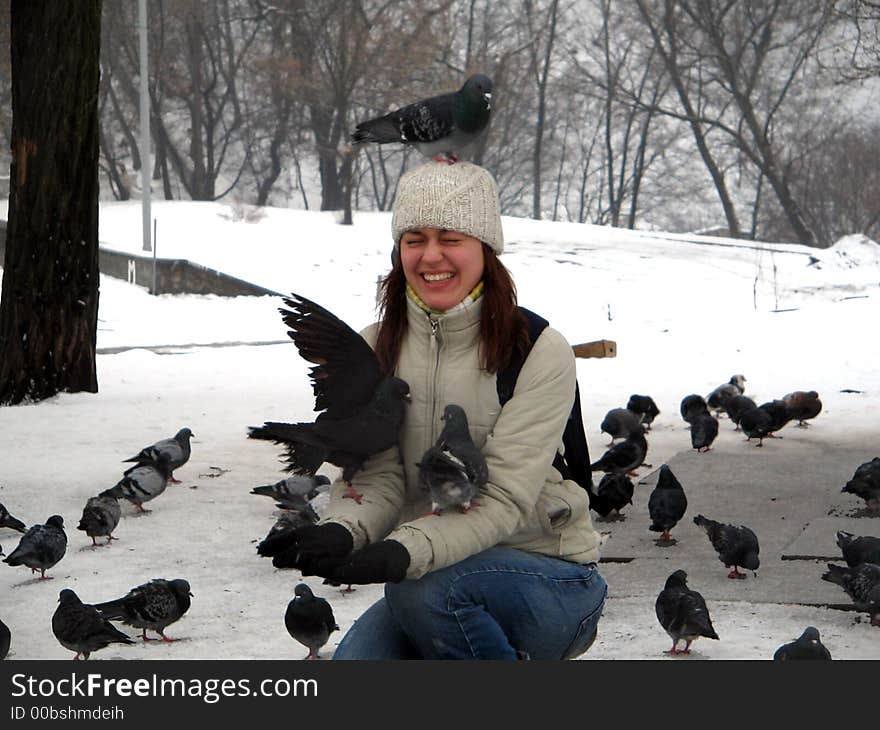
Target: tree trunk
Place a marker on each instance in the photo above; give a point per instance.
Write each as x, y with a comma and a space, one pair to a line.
49, 306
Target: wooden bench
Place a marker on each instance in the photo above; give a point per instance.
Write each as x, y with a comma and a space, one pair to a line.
599, 348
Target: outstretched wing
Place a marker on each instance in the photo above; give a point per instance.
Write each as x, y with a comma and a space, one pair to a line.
346, 369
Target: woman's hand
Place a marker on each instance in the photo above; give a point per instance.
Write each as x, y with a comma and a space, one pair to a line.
382, 562
316, 547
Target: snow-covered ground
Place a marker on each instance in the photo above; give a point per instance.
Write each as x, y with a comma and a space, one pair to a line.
686, 313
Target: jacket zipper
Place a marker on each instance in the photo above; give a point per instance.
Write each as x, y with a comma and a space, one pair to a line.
437, 344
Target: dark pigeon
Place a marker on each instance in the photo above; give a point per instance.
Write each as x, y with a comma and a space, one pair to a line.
7, 520
453, 470
624, 457
143, 482
614, 492
756, 423
82, 628
620, 423
736, 545
309, 620
278, 537
666, 504
442, 127
177, 449
693, 405
803, 405
778, 412
865, 484
683, 613
862, 585
717, 400
293, 492
644, 407
738, 405
5, 640
858, 550
806, 646
154, 606
100, 516
41, 547
704, 430
362, 410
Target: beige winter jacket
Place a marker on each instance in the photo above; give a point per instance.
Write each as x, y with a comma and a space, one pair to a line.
526, 503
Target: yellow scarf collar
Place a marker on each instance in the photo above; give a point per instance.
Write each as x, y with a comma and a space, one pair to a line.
475, 294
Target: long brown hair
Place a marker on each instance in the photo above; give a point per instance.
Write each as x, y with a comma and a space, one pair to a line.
503, 328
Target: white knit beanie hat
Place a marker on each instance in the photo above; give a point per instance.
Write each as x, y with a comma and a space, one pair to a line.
458, 197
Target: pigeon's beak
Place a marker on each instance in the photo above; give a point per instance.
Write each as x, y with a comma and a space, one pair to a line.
408, 398
488, 98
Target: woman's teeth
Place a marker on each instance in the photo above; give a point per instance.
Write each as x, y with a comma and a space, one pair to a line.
437, 277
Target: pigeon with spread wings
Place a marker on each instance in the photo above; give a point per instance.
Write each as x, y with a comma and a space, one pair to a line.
362, 410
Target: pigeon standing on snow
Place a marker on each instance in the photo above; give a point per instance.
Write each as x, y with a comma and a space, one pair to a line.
620, 423
309, 620
704, 426
778, 412
154, 606
362, 411
5, 640
803, 405
806, 646
293, 492
82, 628
692, 405
614, 492
683, 613
858, 550
177, 449
756, 423
666, 504
143, 482
441, 127
100, 516
644, 407
736, 545
865, 483
862, 585
718, 398
624, 457
41, 547
738, 405
7, 520
453, 470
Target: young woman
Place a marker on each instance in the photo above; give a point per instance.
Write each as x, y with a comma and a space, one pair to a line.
514, 576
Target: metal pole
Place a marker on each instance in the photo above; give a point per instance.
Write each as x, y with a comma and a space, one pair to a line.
146, 166
155, 222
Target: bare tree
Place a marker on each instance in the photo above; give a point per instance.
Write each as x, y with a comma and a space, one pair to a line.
49, 305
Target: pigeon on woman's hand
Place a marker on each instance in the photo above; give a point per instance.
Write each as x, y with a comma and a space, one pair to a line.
441, 127
154, 605
82, 628
41, 547
806, 646
294, 490
736, 545
362, 410
309, 620
177, 449
453, 470
683, 613
310, 549
7, 520
385, 561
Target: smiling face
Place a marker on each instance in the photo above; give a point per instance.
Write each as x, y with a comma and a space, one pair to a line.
441, 266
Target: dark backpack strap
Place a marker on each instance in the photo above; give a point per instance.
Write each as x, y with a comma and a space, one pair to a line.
506, 379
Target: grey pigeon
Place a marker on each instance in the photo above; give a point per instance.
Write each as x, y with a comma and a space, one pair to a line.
667, 503
100, 516
442, 127
858, 550
309, 620
803, 405
693, 405
143, 482
41, 547
620, 423
624, 457
718, 398
738, 405
704, 430
757, 423
614, 492
177, 449
736, 545
453, 470
806, 646
82, 628
7, 520
5, 640
294, 491
278, 536
362, 411
644, 407
865, 483
683, 613
154, 606
862, 585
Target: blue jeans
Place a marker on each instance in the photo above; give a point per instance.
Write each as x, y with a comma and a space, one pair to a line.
501, 603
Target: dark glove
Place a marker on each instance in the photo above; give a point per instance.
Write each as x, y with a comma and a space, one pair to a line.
382, 562
313, 544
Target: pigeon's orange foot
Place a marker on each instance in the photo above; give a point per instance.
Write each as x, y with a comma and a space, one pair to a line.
736, 574
351, 493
